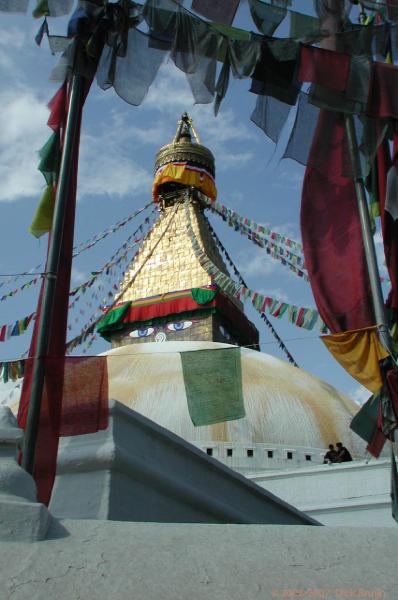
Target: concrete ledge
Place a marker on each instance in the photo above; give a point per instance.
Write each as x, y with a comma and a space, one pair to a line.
138, 471
23, 521
100, 560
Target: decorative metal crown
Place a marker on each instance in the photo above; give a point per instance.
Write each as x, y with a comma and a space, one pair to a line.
182, 149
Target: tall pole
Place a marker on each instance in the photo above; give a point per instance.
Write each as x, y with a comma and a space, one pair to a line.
53, 261
367, 237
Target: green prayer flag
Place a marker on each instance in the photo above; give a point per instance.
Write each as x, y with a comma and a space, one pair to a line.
43, 217
303, 26
203, 295
364, 423
112, 321
233, 33
50, 158
213, 385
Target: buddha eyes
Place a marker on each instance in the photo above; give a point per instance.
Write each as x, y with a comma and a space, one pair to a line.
179, 325
140, 333
147, 331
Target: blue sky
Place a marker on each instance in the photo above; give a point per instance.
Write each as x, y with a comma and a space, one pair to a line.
118, 146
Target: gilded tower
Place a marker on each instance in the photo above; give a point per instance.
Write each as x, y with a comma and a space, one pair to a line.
166, 293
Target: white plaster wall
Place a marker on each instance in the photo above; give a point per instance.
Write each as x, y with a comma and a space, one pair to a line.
352, 494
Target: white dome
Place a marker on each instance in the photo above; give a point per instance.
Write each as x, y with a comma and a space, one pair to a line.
284, 405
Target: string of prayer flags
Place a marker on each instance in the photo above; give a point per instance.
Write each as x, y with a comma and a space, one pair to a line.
235, 219
256, 235
307, 318
103, 234
11, 370
15, 329
281, 345
25, 286
78, 249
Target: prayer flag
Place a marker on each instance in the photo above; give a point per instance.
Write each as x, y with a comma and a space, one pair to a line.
359, 353
222, 11
43, 217
324, 67
365, 424
213, 384
331, 232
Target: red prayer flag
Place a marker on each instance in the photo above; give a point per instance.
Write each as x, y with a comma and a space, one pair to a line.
331, 232
57, 108
324, 67
383, 99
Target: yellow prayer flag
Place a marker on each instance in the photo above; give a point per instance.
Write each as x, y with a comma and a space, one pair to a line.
43, 217
359, 353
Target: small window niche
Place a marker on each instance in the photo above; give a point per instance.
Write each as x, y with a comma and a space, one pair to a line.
289, 455
209, 451
229, 452
250, 452
308, 457
270, 453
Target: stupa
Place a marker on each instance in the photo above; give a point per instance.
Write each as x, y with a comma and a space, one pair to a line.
166, 292
168, 304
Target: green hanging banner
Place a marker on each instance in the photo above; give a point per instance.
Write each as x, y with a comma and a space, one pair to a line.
213, 385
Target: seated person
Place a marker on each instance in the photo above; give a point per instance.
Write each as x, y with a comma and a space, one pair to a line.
330, 456
342, 453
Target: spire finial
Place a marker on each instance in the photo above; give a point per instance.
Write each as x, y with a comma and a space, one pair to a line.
184, 128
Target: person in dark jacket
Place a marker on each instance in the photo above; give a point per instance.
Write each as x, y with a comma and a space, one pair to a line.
330, 456
343, 454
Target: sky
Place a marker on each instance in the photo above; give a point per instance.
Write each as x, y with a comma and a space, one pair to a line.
118, 146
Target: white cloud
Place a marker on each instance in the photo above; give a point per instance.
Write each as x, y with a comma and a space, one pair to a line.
12, 39
78, 276
229, 161
23, 129
109, 171
255, 263
360, 394
170, 95
288, 180
276, 293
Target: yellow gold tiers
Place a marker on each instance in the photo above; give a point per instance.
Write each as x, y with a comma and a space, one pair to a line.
172, 266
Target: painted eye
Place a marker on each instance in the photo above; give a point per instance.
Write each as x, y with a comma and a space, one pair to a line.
179, 325
140, 333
